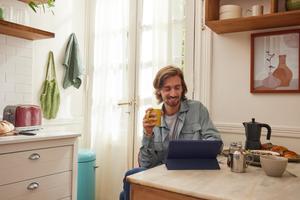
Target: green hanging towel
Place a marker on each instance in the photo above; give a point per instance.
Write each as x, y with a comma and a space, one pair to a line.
72, 63
50, 97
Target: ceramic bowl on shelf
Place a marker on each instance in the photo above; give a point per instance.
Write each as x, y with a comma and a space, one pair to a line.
273, 165
230, 11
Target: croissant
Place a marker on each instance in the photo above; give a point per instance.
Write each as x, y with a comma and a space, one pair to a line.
279, 149
290, 154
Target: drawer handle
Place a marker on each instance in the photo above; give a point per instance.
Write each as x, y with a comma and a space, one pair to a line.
34, 156
33, 186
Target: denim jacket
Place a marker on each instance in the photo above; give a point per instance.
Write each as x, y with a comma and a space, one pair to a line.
193, 124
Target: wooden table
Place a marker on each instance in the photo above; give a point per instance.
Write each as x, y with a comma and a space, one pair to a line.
161, 184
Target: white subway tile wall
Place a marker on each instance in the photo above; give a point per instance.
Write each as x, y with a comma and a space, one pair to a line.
15, 71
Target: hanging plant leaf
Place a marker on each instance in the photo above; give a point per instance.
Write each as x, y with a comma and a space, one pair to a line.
33, 6
36, 4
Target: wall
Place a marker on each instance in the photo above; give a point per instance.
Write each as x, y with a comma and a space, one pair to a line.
16, 71
30, 58
232, 102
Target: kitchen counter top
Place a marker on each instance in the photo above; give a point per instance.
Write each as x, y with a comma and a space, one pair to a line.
221, 184
40, 135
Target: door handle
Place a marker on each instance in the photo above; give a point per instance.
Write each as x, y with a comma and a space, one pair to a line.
124, 103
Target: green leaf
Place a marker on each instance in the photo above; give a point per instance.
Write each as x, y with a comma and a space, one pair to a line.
34, 5
43, 7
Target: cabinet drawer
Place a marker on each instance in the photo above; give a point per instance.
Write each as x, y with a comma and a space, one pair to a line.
26, 165
53, 187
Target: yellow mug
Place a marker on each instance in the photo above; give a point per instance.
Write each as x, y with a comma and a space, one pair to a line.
158, 116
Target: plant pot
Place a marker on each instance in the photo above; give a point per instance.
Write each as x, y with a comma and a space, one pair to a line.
1, 13
292, 4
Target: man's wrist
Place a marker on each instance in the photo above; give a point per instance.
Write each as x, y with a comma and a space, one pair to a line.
149, 135
147, 140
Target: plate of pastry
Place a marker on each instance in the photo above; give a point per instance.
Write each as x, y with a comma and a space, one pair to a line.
292, 156
283, 151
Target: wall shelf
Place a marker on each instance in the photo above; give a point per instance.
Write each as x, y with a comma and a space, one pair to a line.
37, 1
25, 32
273, 20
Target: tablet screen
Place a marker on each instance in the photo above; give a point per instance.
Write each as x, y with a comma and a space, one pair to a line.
193, 149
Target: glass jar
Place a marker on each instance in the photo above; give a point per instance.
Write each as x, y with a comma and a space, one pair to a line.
234, 146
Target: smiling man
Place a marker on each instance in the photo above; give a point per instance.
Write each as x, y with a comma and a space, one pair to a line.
181, 119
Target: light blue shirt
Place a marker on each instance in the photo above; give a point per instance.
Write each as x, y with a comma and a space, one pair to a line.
193, 123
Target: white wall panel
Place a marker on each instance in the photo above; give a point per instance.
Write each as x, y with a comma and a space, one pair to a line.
232, 102
24, 62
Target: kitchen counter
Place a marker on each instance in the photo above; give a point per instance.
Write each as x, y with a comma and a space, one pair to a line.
42, 165
40, 135
159, 183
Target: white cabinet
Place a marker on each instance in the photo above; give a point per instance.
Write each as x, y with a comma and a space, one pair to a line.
38, 167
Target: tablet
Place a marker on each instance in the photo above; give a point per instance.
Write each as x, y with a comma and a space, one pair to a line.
193, 154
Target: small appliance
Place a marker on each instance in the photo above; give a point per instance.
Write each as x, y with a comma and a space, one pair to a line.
23, 117
253, 132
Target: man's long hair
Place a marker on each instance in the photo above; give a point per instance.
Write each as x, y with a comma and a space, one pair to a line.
162, 75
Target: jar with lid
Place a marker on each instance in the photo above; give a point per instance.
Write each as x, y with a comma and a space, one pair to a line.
234, 146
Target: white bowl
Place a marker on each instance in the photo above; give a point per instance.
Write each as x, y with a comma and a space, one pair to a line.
231, 8
229, 15
230, 11
273, 165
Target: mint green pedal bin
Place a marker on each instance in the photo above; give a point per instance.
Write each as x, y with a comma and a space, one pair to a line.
86, 175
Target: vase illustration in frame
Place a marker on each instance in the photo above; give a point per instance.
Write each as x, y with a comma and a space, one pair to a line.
275, 58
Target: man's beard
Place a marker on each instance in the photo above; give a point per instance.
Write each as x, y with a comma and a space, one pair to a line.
172, 101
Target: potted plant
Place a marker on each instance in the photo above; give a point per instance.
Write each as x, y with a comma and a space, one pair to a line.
37, 4
293, 4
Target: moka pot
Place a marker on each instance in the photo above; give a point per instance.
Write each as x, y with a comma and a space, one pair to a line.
253, 133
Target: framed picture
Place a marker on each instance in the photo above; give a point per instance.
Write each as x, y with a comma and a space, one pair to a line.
275, 59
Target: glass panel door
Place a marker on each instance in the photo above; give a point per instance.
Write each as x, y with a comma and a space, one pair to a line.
112, 108
162, 35
133, 39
